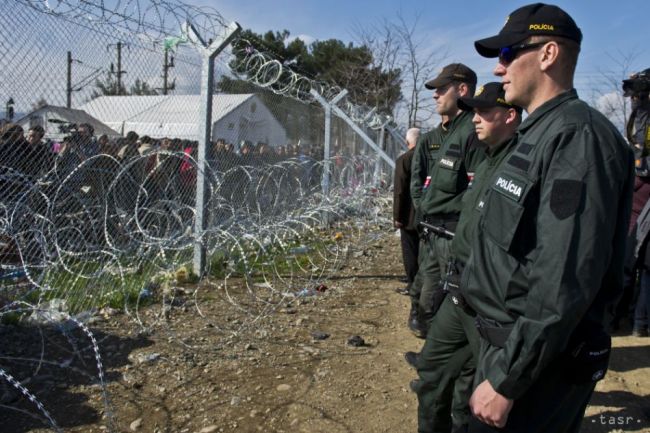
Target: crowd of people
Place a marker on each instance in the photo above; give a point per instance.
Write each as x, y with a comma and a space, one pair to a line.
519, 235
30, 154
114, 181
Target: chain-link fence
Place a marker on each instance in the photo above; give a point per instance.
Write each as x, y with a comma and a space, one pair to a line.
122, 177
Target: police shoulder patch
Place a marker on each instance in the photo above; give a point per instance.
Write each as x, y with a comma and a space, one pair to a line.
566, 197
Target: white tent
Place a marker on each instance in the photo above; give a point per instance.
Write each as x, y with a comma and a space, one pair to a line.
234, 117
57, 121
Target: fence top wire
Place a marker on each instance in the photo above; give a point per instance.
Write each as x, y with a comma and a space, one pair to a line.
154, 18
157, 21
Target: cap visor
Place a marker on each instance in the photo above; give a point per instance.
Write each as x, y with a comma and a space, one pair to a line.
437, 82
489, 47
468, 104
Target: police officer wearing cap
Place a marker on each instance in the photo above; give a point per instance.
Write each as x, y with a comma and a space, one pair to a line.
460, 152
452, 343
547, 259
440, 205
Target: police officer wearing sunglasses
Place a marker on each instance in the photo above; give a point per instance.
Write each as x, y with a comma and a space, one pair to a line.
547, 259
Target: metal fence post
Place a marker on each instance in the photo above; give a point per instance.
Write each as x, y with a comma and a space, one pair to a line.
208, 52
327, 166
325, 181
382, 135
340, 113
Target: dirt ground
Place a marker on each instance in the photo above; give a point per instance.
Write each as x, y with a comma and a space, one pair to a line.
214, 368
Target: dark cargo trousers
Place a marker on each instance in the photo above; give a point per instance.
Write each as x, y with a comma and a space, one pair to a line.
446, 369
432, 265
551, 405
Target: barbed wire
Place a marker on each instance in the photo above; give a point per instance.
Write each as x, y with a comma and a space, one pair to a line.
93, 232
266, 71
81, 241
156, 19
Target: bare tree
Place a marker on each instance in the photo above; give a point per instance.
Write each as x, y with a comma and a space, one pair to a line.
396, 44
419, 62
608, 96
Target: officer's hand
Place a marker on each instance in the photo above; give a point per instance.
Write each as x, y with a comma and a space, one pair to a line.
489, 406
397, 224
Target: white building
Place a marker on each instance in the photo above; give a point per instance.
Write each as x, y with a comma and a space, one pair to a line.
234, 117
57, 121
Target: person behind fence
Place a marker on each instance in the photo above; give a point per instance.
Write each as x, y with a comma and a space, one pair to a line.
403, 211
145, 145
85, 141
129, 147
547, 260
11, 142
40, 155
452, 343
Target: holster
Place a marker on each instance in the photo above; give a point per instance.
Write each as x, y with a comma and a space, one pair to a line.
452, 286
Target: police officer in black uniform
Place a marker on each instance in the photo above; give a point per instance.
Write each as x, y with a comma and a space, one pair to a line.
452, 343
459, 154
547, 260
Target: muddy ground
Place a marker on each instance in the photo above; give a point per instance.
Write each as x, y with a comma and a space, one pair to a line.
204, 364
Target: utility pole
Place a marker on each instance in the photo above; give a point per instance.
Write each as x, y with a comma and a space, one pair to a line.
169, 63
119, 68
68, 86
119, 72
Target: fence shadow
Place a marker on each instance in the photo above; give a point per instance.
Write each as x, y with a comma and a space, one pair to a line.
58, 367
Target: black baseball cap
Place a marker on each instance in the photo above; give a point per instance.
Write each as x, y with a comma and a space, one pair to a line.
487, 96
531, 20
452, 72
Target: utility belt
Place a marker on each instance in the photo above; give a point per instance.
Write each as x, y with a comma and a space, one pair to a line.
446, 221
585, 360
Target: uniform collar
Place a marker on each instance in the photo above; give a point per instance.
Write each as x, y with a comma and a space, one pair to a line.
459, 119
547, 106
493, 152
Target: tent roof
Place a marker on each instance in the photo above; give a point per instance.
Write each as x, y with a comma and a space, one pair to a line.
161, 108
71, 115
